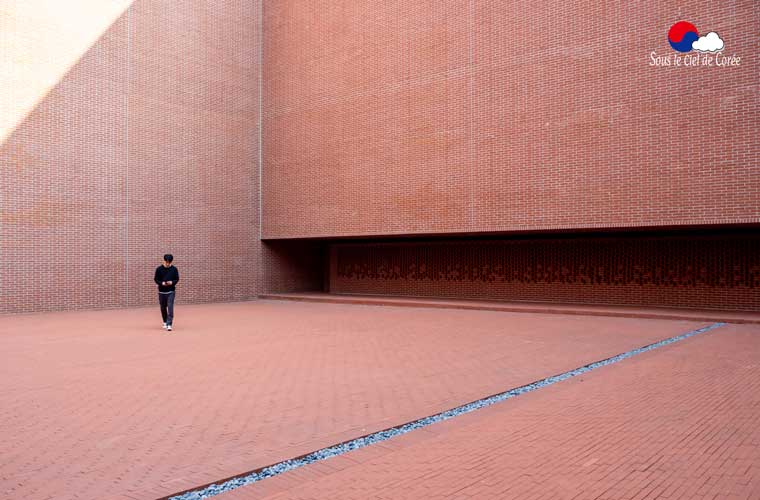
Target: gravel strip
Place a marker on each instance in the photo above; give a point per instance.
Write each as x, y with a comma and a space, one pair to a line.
339, 449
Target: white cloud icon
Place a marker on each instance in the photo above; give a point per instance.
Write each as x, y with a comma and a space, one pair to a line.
711, 42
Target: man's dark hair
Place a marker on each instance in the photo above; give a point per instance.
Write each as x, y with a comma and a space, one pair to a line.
168, 257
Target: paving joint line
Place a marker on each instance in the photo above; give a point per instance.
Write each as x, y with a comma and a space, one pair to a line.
278, 468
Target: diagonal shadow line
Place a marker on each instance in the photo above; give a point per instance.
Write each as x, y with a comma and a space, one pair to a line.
70, 58
80, 132
54, 138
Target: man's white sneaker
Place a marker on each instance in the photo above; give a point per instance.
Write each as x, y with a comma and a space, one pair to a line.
165, 325
168, 328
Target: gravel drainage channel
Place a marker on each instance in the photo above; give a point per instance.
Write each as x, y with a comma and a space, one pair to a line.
376, 437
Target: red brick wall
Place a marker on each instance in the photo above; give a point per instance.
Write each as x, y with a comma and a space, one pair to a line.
465, 116
379, 118
710, 272
147, 145
294, 266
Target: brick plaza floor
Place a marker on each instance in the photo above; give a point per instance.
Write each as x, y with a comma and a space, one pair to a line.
677, 423
106, 405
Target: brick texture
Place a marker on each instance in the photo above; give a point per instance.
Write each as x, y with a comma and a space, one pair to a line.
721, 272
678, 423
477, 116
126, 411
368, 119
294, 266
148, 144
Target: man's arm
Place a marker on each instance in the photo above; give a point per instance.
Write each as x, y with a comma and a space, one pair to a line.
155, 277
176, 276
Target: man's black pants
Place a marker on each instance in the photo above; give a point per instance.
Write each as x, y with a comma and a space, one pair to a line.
167, 306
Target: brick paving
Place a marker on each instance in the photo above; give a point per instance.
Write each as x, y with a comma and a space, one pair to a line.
679, 422
106, 404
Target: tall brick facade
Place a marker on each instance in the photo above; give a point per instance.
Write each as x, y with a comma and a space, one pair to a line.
486, 116
462, 118
247, 138
147, 145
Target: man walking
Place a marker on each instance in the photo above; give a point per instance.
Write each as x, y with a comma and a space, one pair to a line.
166, 278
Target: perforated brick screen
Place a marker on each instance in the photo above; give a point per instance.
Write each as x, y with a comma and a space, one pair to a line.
697, 272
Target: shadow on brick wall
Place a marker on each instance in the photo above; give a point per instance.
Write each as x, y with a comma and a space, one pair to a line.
142, 147
295, 266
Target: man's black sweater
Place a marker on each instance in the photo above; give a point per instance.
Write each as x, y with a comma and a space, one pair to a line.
166, 274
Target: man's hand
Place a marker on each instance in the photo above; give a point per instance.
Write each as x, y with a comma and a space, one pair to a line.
168, 283
163, 283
